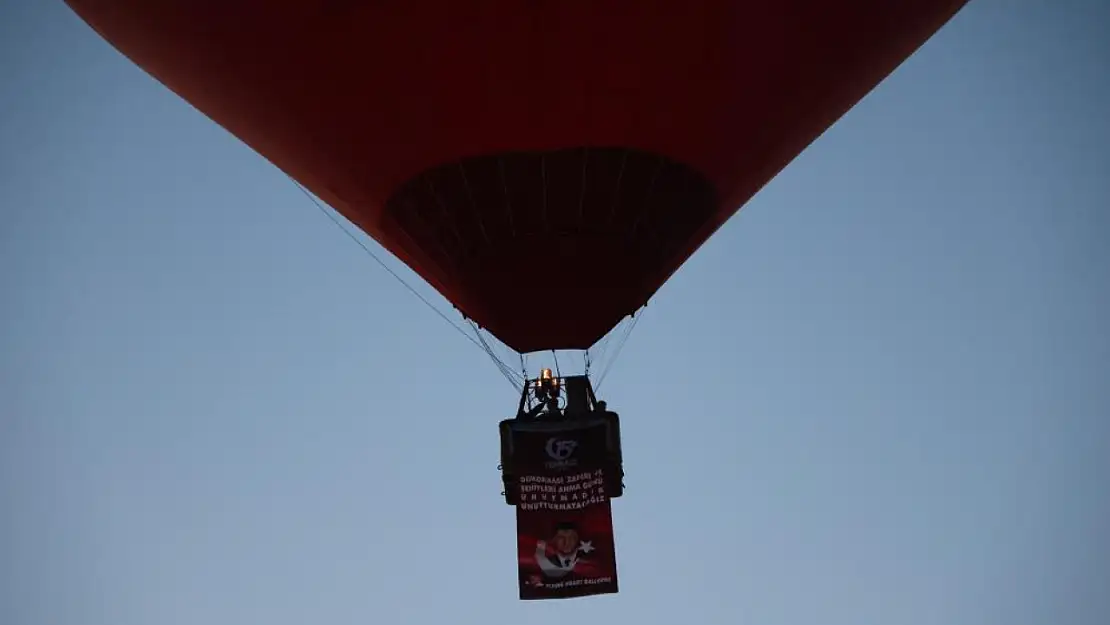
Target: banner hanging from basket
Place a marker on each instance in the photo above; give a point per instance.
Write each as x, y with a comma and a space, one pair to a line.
564, 518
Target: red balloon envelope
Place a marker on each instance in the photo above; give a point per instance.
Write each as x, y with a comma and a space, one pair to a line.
545, 164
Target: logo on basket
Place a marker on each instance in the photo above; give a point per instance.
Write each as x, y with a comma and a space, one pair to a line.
560, 452
560, 449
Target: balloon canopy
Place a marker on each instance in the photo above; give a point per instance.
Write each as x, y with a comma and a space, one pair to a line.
546, 165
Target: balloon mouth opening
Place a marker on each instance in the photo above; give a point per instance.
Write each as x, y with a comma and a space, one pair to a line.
551, 249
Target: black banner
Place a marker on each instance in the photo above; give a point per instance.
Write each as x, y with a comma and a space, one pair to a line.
564, 520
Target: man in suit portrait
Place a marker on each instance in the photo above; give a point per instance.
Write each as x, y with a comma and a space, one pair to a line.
558, 557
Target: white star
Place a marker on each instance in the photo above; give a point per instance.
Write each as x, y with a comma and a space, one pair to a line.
586, 546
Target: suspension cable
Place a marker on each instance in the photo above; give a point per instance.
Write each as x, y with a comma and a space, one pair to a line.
480, 343
617, 352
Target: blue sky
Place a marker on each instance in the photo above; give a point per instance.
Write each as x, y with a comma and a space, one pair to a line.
878, 395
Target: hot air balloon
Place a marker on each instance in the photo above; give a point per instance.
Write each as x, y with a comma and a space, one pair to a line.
546, 165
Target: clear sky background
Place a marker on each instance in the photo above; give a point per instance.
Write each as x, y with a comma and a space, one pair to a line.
880, 395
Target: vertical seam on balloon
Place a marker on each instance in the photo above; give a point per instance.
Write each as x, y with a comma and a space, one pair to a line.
617, 188
473, 205
648, 195
582, 190
505, 189
543, 174
448, 220
426, 227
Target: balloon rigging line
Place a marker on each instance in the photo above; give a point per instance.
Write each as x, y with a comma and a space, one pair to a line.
617, 352
480, 343
500, 364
